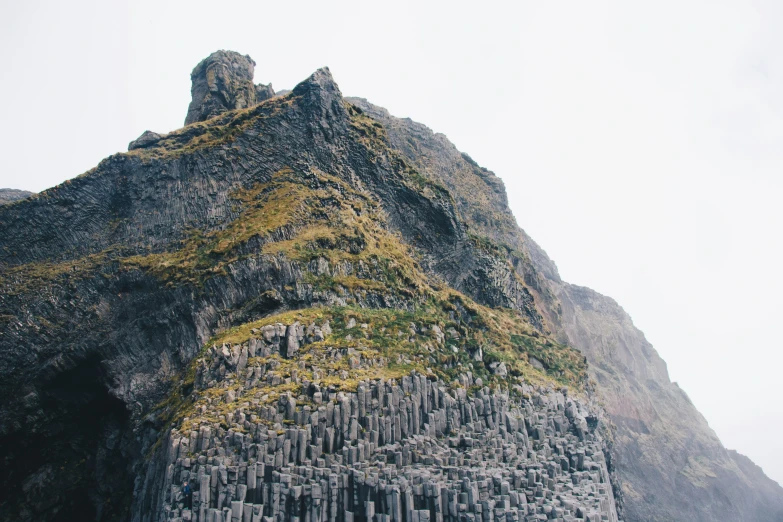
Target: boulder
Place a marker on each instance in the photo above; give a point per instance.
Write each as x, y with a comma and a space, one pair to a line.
294, 336
499, 369
147, 139
535, 363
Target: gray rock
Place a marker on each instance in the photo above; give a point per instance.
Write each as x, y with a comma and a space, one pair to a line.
242, 362
437, 333
535, 363
450, 450
221, 82
147, 139
499, 369
406, 462
314, 334
293, 337
264, 92
326, 329
11, 195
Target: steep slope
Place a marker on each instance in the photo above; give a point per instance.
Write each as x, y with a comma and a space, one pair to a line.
670, 463
276, 306
480, 198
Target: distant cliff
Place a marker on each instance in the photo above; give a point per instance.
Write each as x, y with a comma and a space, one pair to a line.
11, 195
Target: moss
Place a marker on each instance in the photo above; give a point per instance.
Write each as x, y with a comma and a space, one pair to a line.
324, 218
217, 131
265, 208
365, 127
33, 277
502, 334
383, 335
307, 215
373, 136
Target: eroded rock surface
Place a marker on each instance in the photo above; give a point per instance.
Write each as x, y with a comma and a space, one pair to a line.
313, 310
147, 139
222, 82
670, 463
114, 283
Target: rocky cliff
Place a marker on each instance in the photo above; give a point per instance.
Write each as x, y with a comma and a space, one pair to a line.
670, 464
306, 308
274, 305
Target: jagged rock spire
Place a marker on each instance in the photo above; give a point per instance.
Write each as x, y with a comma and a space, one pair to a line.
222, 82
322, 97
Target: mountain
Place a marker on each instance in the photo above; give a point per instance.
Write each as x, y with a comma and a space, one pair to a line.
309, 309
11, 195
670, 464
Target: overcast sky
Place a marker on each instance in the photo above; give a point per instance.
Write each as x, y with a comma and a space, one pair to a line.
640, 142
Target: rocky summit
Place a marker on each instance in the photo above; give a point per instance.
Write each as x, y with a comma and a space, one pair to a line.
224, 82
299, 307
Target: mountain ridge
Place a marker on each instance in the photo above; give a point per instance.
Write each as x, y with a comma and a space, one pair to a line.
633, 356
312, 281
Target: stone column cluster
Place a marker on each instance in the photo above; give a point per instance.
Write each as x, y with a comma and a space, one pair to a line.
413, 449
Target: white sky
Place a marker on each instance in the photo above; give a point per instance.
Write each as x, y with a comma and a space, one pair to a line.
640, 142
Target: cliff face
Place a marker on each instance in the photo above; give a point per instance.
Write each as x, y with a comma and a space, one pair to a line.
672, 464
669, 462
307, 308
479, 197
276, 306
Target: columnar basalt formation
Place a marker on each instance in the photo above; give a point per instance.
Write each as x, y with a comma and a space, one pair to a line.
311, 310
407, 449
670, 464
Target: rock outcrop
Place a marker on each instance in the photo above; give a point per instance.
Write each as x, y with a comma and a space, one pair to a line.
223, 82
672, 464
407, 449
311, 310
264, 92
147, 139
287, 212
